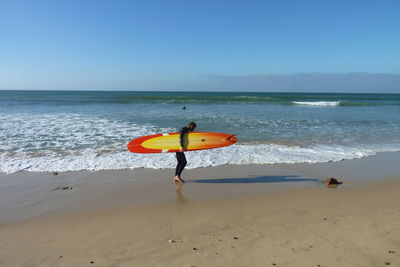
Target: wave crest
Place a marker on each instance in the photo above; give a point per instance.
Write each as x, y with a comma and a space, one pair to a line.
317, 103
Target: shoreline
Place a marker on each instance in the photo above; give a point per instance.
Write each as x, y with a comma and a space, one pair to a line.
28, 194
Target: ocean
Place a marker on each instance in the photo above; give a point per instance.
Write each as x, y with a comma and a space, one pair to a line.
88, 130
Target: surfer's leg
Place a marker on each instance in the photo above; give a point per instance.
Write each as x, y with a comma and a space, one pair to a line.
180, 156
183, 163
178, 165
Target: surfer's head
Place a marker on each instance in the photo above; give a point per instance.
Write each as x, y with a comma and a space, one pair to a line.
191, 126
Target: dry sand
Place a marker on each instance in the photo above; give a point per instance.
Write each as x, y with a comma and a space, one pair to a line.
278, 215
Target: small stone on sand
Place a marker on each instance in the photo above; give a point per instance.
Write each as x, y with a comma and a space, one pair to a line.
332, 182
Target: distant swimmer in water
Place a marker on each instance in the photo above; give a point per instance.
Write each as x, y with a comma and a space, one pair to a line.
184, 107
180, 156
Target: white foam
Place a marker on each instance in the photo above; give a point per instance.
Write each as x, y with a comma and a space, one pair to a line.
237, 154
317, 103
71, 142
63, 134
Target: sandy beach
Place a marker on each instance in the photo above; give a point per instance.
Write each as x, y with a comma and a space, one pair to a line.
249, 215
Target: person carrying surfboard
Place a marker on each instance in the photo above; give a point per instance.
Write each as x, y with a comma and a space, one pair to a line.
180, 156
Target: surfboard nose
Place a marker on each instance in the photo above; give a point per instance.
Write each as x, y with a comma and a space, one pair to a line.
232, 138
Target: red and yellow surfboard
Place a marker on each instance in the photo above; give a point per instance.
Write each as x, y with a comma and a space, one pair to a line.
169, 142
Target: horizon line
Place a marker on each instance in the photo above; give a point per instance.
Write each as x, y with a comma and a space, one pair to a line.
194, 91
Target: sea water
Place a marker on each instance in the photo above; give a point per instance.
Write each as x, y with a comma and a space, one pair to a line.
87, 130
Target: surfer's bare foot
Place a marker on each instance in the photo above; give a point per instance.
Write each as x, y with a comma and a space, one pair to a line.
178, 179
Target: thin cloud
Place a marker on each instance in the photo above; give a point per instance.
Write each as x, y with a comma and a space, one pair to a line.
308, 82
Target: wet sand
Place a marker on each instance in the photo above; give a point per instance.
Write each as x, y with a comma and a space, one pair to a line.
252, 215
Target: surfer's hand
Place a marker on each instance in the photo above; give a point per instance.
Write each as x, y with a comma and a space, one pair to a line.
181, 149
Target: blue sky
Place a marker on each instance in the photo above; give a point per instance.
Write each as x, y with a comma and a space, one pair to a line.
201, 45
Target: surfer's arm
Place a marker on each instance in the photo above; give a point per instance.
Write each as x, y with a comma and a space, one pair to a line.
182, 133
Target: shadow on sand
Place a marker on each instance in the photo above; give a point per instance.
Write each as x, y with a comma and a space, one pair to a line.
259, 179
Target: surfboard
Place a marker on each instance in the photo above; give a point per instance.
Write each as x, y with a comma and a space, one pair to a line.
169, 142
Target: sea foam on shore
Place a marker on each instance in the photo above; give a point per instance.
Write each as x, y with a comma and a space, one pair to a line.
236, 154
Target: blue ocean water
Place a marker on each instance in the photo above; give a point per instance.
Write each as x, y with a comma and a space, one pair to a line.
78, 130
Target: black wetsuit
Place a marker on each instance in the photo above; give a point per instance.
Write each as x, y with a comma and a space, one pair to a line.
180, 156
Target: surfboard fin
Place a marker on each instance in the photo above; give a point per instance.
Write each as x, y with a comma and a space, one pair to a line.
229, 138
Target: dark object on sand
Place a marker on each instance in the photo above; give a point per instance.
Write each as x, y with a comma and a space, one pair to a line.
55, 173
332, 182
63, 188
